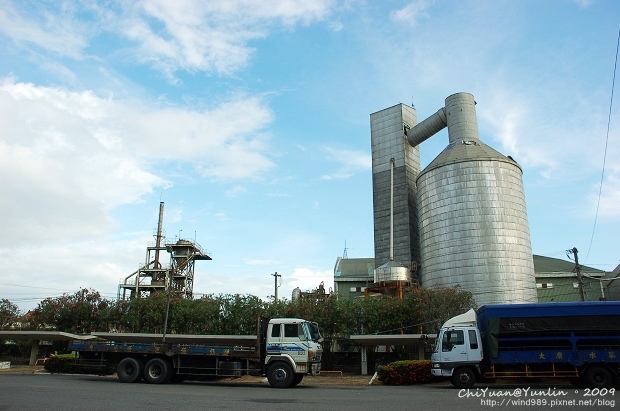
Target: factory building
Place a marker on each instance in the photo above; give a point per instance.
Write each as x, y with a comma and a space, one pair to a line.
556, 280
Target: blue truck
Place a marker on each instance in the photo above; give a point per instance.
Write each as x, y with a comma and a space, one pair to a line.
578, 341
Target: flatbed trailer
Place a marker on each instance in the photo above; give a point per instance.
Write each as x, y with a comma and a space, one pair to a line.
284, 349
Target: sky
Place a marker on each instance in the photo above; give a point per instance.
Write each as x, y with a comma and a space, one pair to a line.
250, 120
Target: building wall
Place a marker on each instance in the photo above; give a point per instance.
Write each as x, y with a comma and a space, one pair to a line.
388, 142
562, 287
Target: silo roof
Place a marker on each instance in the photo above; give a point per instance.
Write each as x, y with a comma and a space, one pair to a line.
467, 150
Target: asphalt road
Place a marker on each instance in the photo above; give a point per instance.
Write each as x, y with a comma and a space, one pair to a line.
73, 392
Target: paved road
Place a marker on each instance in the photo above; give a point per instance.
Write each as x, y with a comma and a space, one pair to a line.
73, 392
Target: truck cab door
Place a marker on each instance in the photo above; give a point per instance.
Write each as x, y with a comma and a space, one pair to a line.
453, 346
274, 339
475, 346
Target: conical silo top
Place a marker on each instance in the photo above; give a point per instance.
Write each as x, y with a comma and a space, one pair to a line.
467, 150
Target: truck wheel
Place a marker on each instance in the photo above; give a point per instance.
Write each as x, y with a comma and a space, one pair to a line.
129, 370
157, 371
280, 375
463, 378
598, 377
297, 379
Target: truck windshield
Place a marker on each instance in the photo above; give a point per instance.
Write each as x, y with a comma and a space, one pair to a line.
313, 331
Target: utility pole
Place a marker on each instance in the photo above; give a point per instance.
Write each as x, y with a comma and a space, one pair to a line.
573, 251
275, 277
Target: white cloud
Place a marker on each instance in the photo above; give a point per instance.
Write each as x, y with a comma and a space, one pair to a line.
236, 191
212, 36
351, 162
52, 29
74, 156
412, 12
262, 262
188, 35
308, 279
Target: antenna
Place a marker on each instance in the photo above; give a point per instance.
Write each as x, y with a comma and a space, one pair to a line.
344, 253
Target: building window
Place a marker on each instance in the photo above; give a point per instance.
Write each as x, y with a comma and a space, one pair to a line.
544, 285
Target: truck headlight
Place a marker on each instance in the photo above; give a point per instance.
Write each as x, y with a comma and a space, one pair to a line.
436, 365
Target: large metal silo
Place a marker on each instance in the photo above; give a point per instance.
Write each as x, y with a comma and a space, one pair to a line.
471, 211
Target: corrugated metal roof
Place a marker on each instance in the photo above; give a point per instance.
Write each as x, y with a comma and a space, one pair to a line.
354, 267
544, 265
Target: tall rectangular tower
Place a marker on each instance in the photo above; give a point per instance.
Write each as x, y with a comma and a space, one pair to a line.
387, 129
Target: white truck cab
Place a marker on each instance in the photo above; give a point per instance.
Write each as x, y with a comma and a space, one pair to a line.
458, 351
293, 349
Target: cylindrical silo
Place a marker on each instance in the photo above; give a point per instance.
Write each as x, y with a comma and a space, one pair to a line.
472, 216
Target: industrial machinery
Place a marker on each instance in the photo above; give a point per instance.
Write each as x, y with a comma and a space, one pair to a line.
176, 277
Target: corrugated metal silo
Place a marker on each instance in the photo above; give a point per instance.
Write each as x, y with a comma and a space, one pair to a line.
472, 216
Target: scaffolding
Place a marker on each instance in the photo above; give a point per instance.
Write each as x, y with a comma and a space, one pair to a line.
176, 277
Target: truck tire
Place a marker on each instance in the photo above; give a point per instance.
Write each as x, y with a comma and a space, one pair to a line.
280, 375
297, 379
598, 377
129, 370
157, 371
463, 378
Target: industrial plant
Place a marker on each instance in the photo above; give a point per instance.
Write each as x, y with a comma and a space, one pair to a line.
460, 221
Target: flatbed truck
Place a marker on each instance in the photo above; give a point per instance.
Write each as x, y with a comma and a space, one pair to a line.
284, 349
578, 341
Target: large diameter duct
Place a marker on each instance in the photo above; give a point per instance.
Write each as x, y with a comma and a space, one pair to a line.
472, 216
427, 128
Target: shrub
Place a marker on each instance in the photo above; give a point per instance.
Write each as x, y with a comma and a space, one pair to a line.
68, 364
405, 372
60, 364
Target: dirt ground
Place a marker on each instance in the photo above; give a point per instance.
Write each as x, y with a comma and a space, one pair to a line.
329, 378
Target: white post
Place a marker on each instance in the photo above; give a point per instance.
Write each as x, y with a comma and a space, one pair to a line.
364, 361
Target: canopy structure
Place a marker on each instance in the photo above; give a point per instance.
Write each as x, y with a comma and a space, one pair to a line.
417, 340
38, 336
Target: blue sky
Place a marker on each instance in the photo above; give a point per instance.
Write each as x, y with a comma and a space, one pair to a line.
250, 120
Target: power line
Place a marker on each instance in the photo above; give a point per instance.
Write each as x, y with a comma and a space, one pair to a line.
600, 191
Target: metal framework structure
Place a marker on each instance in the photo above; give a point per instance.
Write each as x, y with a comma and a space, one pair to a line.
177, 276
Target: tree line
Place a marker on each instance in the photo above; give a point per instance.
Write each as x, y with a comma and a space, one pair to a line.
420, 310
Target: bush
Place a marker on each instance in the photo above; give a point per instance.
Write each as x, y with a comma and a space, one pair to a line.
60, 364
406, 372
68, 364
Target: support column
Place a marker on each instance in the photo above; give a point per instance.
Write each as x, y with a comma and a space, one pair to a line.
364, 360
34, 352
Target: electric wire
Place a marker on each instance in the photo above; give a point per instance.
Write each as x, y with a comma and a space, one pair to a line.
600, 191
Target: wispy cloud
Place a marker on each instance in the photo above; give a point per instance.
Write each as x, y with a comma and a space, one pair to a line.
412, 12
351, 162
52, 29
187, 35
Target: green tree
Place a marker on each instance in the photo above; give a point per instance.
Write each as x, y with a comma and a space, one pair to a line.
80, 312
9, 314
